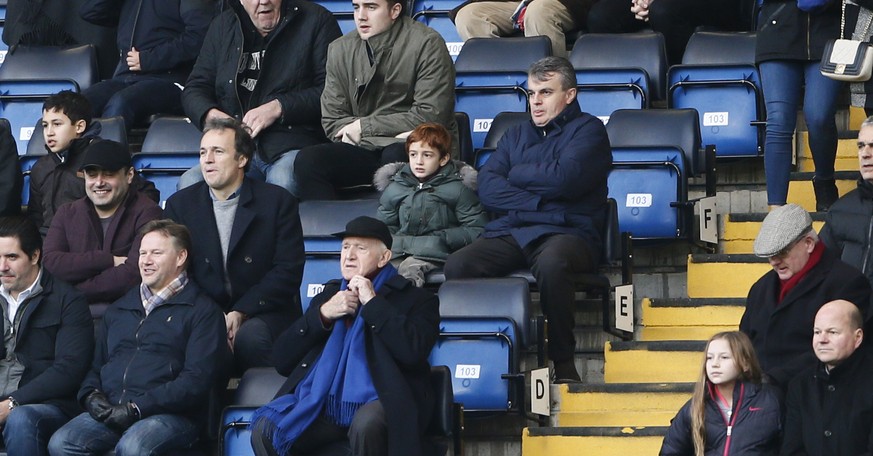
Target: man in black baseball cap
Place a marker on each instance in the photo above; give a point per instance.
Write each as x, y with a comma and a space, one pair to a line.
368, 391
92, 242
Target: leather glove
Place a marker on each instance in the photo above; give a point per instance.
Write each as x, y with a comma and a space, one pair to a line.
121, 417
97, 405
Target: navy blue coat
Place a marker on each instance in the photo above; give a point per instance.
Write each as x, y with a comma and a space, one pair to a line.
755, 431
167, 33
402, 325
165, 362
265, 255
549, 180
55, 342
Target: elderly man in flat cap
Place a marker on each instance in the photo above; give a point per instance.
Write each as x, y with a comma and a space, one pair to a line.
359, 377
781, 306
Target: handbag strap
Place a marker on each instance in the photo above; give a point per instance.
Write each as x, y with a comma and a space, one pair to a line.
843, 21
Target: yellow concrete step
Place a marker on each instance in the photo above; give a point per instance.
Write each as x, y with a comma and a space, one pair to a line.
740, 230
652, 362
576, 441
847, 146
688, 319
723, 276
856, 116
800, 189
621, 404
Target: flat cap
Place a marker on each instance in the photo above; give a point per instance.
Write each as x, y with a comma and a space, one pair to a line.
781, 227
367, 227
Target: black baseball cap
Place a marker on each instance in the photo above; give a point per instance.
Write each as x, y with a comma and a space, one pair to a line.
106, 154
367, 227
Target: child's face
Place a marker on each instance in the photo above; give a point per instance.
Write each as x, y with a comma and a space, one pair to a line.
721, 368
425, 160
59, 131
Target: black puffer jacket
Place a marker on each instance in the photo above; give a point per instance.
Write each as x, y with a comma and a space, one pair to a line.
787, 33
292, 72
756, 423
848, 228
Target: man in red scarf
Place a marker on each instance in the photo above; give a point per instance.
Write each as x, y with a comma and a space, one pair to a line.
782, 304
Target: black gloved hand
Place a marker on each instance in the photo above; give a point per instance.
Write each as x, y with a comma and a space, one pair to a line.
97, 405
121, 417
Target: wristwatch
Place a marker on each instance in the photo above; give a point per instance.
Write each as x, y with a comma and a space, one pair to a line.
12, 403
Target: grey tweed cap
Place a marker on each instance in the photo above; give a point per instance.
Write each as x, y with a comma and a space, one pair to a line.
781, 226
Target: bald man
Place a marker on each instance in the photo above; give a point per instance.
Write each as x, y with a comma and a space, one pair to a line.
830, 406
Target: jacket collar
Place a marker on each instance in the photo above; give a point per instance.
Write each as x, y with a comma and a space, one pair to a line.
570, 113
846, 369
133, 301
810, 281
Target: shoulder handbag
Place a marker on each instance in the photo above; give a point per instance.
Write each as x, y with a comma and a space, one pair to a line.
848, 60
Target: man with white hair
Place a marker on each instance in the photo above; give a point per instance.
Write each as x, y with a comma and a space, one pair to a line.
782, 304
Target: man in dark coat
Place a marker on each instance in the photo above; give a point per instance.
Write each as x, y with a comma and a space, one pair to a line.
848, 226
54, 179
263, 63
48, 341
830, 404
248, 244
546, 182
357, 361
93, 242
782, 304
159, 353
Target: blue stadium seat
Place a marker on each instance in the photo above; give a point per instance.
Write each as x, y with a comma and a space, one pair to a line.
342, 11
618, 71
719, 79
654, 154
435, 14
485, 325
502, 122
491, 77
465, 136
171, 147
320, 219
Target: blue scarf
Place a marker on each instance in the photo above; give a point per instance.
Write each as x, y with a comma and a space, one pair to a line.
339, 383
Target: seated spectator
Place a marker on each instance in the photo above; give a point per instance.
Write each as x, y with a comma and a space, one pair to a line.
546, 182
47, 344
54, 179
394, 74
551, 18
729, 390
158, 41
782, 304
429, 204
159, 352
248, 249
830, 404
847, 223
675, 19
369, 391
93, 242
276, 50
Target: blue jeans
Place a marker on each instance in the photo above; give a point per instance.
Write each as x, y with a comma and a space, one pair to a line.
280, 172
783, 84
29, 427
156, 434
134, 98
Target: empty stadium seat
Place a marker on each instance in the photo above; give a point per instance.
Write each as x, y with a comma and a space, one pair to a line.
171, 147
27, 79
465, 137
719, 79
485, 325
491, 77
654, 154
502, 122
618, 71
342, 11
320, 219
435, 14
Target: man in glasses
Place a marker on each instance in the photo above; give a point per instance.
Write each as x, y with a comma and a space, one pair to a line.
782, 304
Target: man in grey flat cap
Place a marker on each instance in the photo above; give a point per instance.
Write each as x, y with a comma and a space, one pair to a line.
781, 306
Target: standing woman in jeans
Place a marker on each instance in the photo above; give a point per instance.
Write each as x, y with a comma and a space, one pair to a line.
791, 38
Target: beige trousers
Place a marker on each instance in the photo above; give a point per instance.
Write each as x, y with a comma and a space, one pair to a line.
492, 19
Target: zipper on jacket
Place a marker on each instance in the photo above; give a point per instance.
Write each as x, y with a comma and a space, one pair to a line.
808, 33
867, 249
733, 420
129, 362
133, 32
242, 50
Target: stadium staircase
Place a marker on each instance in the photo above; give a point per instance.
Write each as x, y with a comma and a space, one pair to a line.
646, 380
